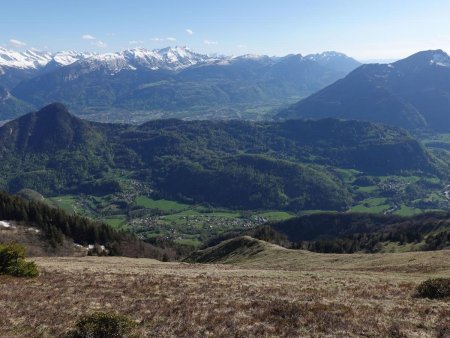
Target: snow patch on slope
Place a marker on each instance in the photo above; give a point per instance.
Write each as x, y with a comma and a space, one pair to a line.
5, 224
440, 59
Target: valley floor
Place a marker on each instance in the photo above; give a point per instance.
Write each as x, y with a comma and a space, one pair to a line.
274, 292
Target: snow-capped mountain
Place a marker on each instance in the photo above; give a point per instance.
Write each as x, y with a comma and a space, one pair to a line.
18, 66
334, 60
29, 59
172, 59
162, 81
422, 60
68, 57
33, 59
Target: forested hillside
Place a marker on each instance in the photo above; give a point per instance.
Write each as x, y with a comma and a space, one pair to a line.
236, 164
57, 226
359, 232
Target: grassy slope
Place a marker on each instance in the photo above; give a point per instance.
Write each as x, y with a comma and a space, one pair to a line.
275, 292
252, 253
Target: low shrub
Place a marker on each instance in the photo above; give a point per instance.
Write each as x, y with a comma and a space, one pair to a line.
102, 325
434, 288
12, 261
443, 330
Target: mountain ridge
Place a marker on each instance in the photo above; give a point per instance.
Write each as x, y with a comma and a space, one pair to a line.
138, 85
52, 124
39, 59
411, 93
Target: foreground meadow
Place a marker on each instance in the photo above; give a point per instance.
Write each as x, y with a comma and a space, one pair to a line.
273, 292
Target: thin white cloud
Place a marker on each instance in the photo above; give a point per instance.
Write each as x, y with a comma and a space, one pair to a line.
135, 42
189, 31
99, 44
88, 37
241, 46
16, 43
209, 42
111, 34
94, 41
171, 39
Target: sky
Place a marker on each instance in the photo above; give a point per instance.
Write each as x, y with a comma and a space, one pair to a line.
364, 29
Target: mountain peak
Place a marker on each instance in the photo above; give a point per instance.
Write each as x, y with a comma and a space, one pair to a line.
54, 109
411, 93
326, 54
50, 129
425, 58
169, 58
334, 60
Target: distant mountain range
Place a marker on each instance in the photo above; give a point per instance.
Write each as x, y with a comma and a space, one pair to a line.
17, 66
412, 93
139, 84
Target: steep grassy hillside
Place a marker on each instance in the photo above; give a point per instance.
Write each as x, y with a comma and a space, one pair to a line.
276, 292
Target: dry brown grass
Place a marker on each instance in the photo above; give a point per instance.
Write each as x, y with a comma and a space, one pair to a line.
276, 292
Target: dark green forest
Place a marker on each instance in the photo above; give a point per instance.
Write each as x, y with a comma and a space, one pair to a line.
359, 232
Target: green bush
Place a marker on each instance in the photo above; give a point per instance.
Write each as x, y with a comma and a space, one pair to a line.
102, 325
12, 261
434, 288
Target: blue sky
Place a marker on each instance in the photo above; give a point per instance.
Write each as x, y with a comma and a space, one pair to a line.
365, 29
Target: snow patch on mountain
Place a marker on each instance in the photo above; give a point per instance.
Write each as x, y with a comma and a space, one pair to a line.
440, 59
4, 94
326, 56
66, 58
